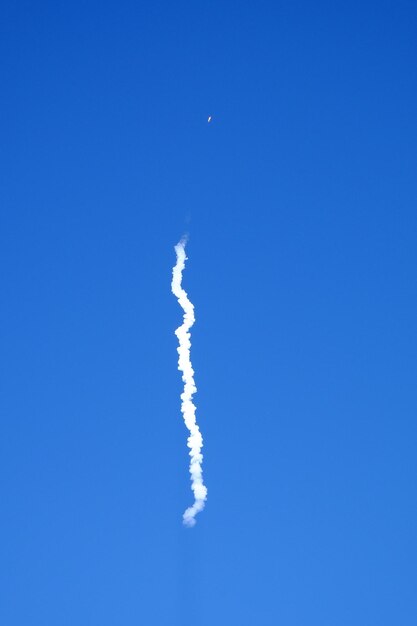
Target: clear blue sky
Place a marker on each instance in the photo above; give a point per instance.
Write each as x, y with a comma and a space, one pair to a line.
300, 199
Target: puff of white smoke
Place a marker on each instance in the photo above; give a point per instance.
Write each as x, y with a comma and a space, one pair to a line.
195, 440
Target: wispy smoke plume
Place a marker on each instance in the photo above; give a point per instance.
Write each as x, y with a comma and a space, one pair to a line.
195, 440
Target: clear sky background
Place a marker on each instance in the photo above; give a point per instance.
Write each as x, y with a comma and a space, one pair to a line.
300, 199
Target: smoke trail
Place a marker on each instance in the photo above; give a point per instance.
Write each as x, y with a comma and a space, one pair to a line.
195, 440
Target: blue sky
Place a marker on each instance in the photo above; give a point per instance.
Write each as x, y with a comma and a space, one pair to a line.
300, 200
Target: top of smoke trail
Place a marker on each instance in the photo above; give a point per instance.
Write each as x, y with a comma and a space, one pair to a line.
183, 241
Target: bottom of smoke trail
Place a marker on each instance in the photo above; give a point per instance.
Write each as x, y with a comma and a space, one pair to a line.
188, 518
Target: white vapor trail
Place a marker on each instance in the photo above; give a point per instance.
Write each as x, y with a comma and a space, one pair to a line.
195, 440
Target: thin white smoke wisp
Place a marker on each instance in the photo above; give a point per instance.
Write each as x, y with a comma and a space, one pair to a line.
195, 440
